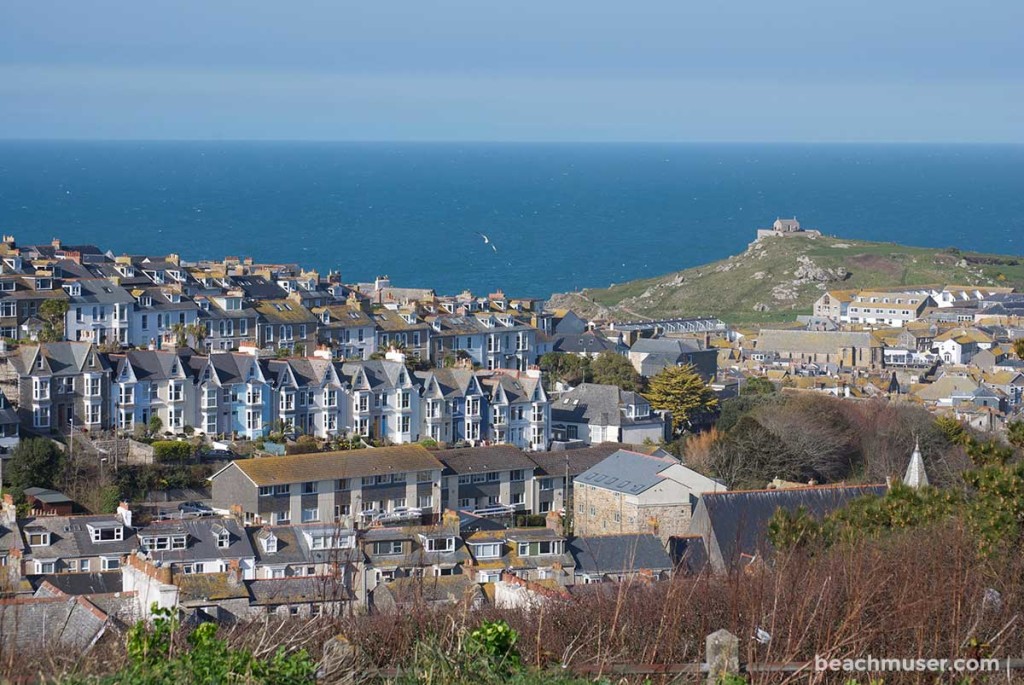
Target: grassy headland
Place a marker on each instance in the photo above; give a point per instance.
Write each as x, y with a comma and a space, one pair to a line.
777, 278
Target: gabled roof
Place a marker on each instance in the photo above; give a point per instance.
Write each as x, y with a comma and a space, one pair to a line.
594, 404
735, 523
59, 359
614, 554
627, 472
300, 468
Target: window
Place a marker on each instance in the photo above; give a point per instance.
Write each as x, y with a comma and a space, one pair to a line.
92, 413
425, 501
309, 487
92, 387
283, 517
330, 398
488, 551
223, 539
466, 503
174, 392
40, 539
41, 417
517, 475
266, 490
44, 567
479, 477
617, 517
424, 477
110, 563
494, 477
404, 424
388, 547
397, 502
106, 533
311, 514
547, 484
545, 507
341, 484
465, 479
40, 388
517, 499
439, 544
403, 399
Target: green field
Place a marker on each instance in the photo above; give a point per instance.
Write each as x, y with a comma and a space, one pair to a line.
765, 275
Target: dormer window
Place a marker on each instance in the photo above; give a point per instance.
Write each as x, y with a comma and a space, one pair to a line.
38, 537
106, 531
223, 536
541, 548
161, 543
44, 284
269, 542
445, 544
73, 289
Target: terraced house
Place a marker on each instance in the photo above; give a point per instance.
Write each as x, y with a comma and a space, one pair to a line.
492, 341
234, 396
384, 400
61, 381
333, 487
148, 384
310, 395
347, 329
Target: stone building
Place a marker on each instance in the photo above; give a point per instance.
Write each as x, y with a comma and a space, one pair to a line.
630, 492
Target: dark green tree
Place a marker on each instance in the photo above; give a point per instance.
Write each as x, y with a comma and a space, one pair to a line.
34, 462
609, 368
568, 368
758, 385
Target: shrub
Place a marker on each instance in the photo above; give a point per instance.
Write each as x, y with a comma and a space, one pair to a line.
172, 451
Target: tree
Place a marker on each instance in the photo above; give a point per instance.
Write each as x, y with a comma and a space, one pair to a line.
155, 424
758, 385
1015, 433
681, 390
610, 368
571, 369
52, 313
1018, 348
35, 462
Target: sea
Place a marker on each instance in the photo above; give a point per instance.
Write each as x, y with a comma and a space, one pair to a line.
530, 219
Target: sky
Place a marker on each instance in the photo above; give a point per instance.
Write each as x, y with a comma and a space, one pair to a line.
551, 70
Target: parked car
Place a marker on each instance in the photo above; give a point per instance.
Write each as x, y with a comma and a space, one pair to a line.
219, 454
195, 509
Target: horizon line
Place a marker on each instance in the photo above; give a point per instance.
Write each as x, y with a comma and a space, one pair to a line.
485, 141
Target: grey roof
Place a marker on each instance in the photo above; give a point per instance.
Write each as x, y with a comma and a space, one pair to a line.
202, 540
627, 472
599, 405
70, 537
735, 523
103, 583
47, 496
300, 590
577, 460
619, 554
101, 291
60, 358
72, 623
811, 342
666, 346
583, 343
481, 459
293, 548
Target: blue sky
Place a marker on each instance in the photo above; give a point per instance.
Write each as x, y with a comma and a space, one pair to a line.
563, 70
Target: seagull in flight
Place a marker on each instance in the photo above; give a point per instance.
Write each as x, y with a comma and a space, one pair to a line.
486, 239
494, 247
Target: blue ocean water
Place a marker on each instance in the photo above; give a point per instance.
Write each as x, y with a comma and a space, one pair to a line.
562, 217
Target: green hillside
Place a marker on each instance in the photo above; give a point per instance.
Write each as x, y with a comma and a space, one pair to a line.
777, 278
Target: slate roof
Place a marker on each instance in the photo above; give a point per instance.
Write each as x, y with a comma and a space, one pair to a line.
293, 548
584, 343
452, 382
72, 623
613, 554
101, 291
668, 346
62, 358
579, 460
735, 523
102, 583
201, 543
284, 311
300, 468
70, 537
627, 472
481, 459
299, 590
599, 405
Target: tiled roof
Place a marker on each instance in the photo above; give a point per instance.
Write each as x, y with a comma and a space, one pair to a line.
619, 553
299, 468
